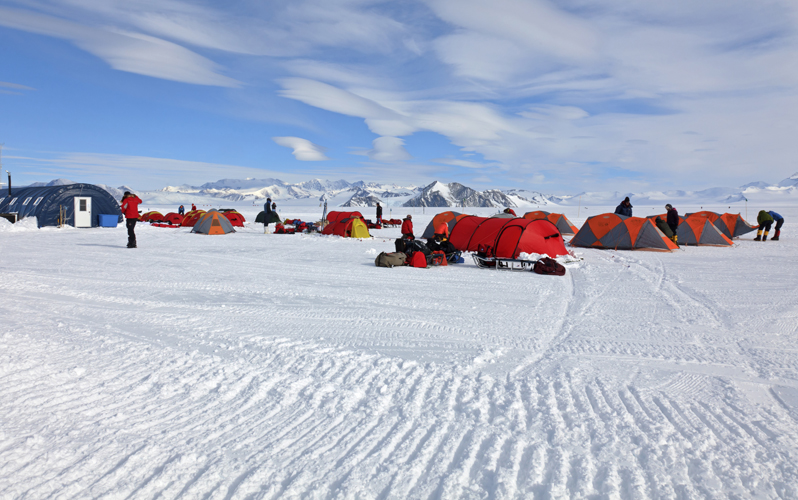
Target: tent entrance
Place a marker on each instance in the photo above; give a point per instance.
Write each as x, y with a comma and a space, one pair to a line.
82, 211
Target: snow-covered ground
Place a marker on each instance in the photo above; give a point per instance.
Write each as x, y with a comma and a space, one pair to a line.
287, 366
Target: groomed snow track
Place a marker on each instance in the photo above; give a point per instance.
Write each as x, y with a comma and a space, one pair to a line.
144, 375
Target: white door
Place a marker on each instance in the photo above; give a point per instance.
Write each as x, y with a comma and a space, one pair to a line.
82, 211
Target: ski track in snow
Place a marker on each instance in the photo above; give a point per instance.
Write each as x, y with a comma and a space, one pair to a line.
269, 366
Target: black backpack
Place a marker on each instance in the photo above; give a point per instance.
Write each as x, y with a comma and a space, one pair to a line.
549, 266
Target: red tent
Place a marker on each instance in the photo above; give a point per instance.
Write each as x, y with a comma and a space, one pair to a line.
507, 237
336, 216
235, 218
192, 217
151, 216
351, 227
173, 218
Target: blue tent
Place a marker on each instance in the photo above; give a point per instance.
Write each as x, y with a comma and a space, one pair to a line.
46, 202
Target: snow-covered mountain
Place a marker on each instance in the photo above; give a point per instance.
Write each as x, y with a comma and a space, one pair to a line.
455, 194
342, 193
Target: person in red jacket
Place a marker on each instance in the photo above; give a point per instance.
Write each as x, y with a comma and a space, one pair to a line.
130, 208
407, 228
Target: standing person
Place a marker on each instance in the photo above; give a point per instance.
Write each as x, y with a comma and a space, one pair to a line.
407, 228
130, 207
379, 213
267, 214
181, 210
765, 220
673, 221
193, 207
624, 208
779, 222
324, 215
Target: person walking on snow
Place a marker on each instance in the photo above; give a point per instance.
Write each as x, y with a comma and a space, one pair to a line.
130, 208
779, 222
672, 221
624, 208
379, 213
407, 228
765, 220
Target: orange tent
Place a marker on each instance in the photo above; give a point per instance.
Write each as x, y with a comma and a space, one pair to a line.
448, 218
618, 232
700, 231
213, 222
559, 220
731, 225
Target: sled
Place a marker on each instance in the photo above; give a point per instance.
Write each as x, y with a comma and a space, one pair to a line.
503, 264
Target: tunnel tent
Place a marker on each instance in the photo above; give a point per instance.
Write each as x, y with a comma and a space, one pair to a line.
619, 232
47, 203
560, 220
151, 216
507, 237
335, 216
213, 222
351, 227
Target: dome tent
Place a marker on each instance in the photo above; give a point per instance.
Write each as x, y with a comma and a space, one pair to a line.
619, 232
731, 225
213, 222
46, 202
559, 220
449, 218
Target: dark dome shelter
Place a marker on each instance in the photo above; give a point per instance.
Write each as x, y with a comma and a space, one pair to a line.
81, 204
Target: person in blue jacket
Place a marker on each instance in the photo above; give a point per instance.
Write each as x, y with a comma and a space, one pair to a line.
625, 208
779, 222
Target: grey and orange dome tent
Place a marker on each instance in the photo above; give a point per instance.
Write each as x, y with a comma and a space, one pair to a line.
559, 220
213, 222
731, 225
350, 227
697, 231
505, 238
619, 232
449, 218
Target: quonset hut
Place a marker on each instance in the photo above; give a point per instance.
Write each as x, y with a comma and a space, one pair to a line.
80, 204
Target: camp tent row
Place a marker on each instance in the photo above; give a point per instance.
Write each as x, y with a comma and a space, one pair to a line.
189, 219
619, 232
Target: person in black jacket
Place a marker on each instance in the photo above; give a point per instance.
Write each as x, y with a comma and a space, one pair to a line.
624, 208
673, 221
379, 213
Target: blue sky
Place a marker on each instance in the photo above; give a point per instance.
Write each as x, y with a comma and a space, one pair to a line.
559, 96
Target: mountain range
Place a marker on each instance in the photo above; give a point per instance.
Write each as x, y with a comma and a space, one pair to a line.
342, 193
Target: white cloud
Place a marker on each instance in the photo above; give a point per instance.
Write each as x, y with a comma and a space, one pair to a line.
124, 51
303, 149
389, 149
142, 172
